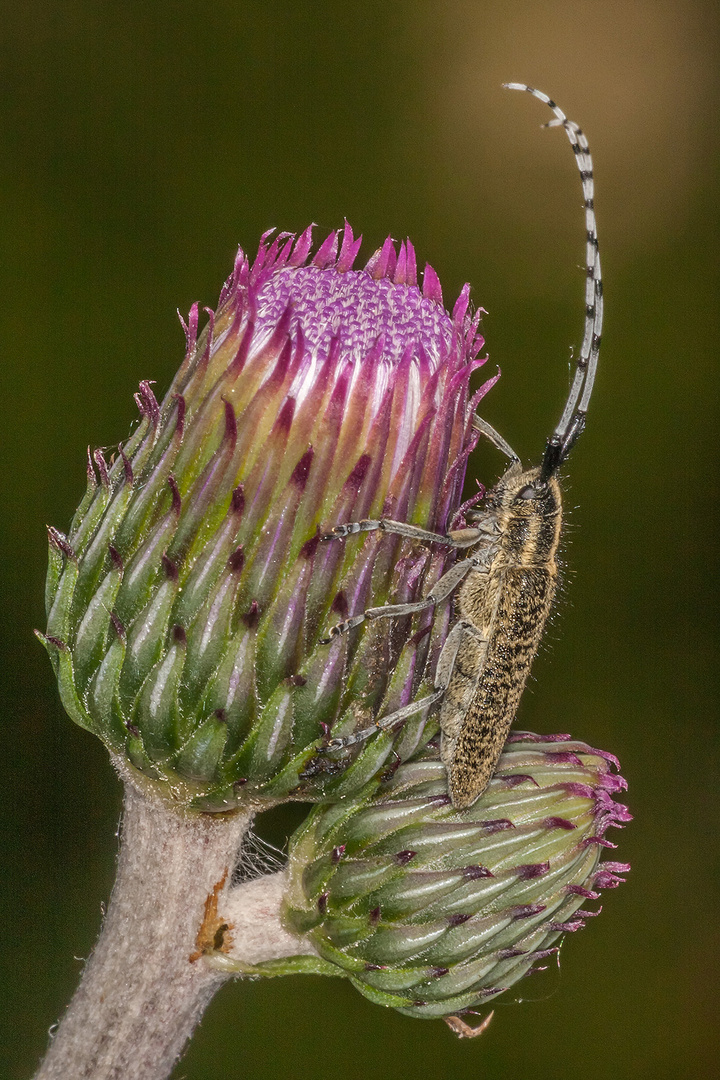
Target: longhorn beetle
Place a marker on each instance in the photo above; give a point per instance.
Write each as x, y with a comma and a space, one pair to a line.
508, 576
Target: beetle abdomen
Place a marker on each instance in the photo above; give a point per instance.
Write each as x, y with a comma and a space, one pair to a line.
524, 598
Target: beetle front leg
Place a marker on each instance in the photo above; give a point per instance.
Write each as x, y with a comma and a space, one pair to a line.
458, 538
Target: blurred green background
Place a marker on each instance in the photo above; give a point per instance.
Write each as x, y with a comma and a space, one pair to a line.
139, 144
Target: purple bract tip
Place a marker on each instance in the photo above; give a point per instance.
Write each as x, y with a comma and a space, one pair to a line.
432, 288
176, 500
605, 880
532, 870
152, 409
115, 558
92, 479
102, 468
497, 825
237, 501
558, 823
562, 757
474, 872
230, 423
190, 327
348, 250
56, 641
126, 466
574, 788
526, 911
302, 469
339, 605
307, 551
170, 568
60, 543
181, 407
252, 616
517, 778
236, 560
580, 890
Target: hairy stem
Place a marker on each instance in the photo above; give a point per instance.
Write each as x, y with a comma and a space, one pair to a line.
146, 985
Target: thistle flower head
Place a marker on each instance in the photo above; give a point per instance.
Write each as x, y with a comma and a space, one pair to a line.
435, 911
187, 603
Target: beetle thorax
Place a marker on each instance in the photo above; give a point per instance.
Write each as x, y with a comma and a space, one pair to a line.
529, 517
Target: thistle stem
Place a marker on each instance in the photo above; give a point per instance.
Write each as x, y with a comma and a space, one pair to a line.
146, 984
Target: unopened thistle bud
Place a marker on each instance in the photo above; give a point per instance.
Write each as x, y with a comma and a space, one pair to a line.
188, 602
435, 911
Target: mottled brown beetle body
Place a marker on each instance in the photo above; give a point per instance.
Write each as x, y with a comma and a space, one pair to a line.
505, 582
506, 606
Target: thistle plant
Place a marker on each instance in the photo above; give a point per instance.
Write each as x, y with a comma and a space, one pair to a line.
188, 608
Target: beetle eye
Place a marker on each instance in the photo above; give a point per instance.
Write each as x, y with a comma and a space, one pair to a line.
528, 492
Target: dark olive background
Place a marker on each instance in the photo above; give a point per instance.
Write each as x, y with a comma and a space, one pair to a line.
139, 144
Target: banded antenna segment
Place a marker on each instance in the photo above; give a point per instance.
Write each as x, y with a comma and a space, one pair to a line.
572, 420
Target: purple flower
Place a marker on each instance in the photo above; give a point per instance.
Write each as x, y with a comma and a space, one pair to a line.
188, 602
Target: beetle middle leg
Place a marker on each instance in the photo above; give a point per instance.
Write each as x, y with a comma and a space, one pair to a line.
439, 592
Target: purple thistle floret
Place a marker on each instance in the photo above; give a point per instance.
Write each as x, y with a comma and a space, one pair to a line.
188, 602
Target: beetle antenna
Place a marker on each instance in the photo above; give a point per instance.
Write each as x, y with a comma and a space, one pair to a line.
572, 420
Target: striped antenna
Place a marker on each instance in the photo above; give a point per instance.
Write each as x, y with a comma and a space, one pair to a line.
572, 420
